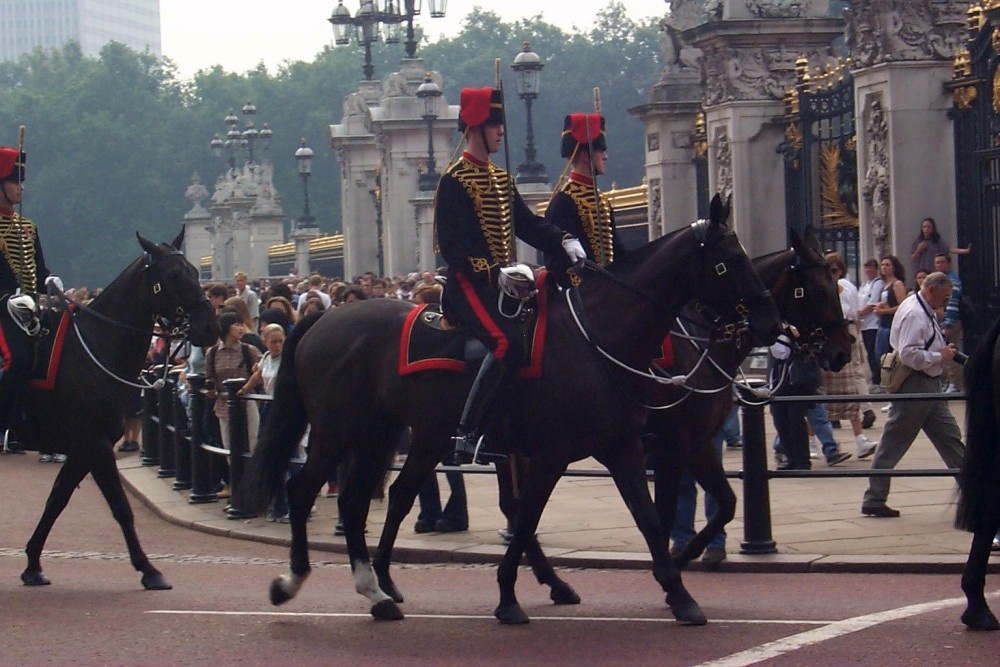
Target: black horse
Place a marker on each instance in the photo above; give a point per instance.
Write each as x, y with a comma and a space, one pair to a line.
978, 508
340, 373
806, 295
105, 348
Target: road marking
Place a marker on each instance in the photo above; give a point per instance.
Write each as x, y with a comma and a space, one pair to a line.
588, 619
780, 647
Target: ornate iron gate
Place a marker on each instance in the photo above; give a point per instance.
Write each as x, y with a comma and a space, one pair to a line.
976, 114
821, 165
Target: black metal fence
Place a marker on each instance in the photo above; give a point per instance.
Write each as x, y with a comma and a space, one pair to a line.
174, 441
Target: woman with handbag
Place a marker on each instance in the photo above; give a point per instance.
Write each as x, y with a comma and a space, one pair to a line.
893, 293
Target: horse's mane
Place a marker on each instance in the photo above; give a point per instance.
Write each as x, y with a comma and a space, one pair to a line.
980, 474
112, 288
624, 267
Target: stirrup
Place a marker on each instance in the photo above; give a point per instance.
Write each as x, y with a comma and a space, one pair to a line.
466, 448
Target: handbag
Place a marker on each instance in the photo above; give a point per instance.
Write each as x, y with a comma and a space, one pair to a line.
894, 371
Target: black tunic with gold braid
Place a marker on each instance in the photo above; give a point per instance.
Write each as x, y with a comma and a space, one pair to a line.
572, 209
473, 221
22, 265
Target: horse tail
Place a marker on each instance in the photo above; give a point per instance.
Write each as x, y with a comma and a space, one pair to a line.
282, 430
980, 473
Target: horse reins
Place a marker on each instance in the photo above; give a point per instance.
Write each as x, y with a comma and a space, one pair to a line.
176, 329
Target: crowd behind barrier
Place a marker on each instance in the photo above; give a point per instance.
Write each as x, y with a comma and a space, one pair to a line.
174, 443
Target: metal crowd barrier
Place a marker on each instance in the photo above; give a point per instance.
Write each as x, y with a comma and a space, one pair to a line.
177, 445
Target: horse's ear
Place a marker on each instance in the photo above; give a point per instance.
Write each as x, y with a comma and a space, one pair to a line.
810, 239
798, 245
717, 213
176, 243
148, 246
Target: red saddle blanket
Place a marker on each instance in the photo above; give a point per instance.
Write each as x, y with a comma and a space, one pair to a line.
426, 344
47, 350
666, 358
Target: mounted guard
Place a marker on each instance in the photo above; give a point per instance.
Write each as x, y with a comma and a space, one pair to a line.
477, 214
578, 207
23, 274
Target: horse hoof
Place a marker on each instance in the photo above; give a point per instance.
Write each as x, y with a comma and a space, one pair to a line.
386, 610
511, 614
34, 578
979, 617
686, 610
278, 594
563, 593
155, 582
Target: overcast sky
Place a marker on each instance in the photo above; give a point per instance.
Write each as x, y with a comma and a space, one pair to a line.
238, 35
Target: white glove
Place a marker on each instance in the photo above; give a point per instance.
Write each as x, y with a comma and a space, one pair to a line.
574, 250
54, 282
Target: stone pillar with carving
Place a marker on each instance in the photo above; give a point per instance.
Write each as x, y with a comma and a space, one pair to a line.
749, 49
902, 54
197, 223
668, 115
359, 158
398, 123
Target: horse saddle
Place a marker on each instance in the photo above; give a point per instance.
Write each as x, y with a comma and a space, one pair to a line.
429, 342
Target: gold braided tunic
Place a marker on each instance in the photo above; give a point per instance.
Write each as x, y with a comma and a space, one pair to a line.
22, 257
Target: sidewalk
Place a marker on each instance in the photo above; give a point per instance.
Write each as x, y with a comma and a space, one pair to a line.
816, 523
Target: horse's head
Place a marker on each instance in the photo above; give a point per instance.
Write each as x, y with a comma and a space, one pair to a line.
810, 300
175, 296
727, 282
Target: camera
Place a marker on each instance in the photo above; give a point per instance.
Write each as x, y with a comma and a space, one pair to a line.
961, 358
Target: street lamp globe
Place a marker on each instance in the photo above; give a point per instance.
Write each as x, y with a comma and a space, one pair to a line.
528, 67
304, 156
342, 23
430, 94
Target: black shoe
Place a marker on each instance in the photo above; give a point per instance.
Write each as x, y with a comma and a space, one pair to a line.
446, 526
790, 466
423, 526
868, 419
880, 512
835, 423
128, 446
837, 457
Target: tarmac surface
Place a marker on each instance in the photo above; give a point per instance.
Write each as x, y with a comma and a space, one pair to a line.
816, 522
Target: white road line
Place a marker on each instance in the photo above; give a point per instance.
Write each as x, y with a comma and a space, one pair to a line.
589, 619
847, 626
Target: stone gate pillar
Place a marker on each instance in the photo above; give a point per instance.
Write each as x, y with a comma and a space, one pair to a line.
749, 51
902, 56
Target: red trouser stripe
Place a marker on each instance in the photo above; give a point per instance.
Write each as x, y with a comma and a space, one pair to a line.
484, 317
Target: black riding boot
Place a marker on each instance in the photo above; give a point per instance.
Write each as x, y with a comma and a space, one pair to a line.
8, 410
477, 409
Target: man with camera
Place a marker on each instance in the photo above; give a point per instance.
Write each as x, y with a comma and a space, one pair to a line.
922, 346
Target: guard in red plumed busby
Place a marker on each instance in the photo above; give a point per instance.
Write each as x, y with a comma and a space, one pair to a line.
23, 275
578, 207
477, 214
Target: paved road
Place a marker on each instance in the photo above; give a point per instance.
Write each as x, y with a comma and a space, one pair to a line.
96, 613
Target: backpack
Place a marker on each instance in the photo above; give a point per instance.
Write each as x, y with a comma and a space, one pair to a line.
247, 363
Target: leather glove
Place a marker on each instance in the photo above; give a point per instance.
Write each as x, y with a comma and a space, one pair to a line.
54, 285
574, 250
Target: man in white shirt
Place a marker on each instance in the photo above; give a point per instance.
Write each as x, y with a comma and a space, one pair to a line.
249, 297
917, 337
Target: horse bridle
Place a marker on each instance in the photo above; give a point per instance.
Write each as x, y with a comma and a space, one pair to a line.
175, 328
700, 229
812, 342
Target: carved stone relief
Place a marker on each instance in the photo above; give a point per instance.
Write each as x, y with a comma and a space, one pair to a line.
655, 215
763, 73
778, 9
196, 193
678, 56
876, 189
879, 31
723, 163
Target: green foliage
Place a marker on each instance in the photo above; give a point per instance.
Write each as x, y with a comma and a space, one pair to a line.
113, 141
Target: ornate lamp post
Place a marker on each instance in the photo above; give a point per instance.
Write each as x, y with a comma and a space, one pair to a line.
304, 158
368, 21
430, 94
238, 141
528, 68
